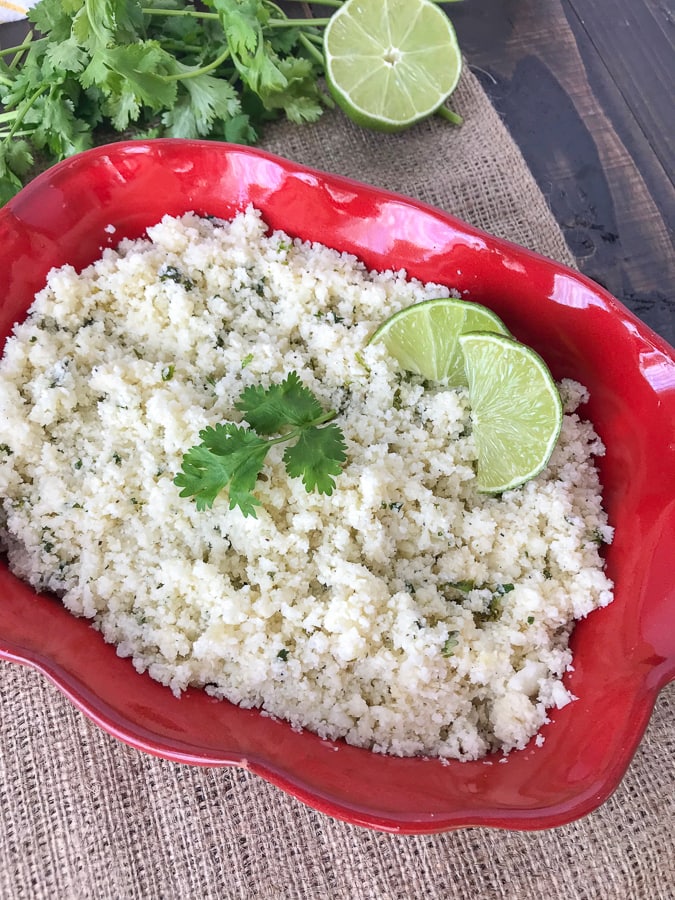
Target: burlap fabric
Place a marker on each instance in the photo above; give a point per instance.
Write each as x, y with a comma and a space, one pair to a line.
84, 816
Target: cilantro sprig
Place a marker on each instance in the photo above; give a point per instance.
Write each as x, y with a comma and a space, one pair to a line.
152, 68
233, 456
216, 69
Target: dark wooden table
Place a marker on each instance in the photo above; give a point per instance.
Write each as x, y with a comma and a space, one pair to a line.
587, 89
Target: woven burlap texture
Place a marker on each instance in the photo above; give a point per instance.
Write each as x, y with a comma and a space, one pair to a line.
84, 816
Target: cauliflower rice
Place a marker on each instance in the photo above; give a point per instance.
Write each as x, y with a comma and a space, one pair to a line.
406, 613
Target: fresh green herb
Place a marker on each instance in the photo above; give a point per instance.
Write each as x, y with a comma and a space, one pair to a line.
495, 606
152, 70
220, 69
451, 644
530, 620
596, 536
361, 361
502, 589
171, 273
463, 586
247, 360
283, 655
167, 372
233, 456
491, 613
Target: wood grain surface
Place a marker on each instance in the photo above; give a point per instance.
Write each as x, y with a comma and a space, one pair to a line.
587, 90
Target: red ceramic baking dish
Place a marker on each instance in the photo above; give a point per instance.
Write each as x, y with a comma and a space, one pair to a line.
623, 654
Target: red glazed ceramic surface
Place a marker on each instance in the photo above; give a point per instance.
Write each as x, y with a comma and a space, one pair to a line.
624, 654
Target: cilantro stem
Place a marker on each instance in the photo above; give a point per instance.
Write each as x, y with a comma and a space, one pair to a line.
272, 23
19, 49
21, 112
299, 23
314, 38
17, 134
149, 11
311, 49
334, 3
195, 73
296, 432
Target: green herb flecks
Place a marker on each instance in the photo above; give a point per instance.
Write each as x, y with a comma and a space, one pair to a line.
233, 456
171, 273
463, 586
495, 606
451, 644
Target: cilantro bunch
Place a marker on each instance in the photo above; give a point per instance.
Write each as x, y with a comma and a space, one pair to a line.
231, 455
152, 68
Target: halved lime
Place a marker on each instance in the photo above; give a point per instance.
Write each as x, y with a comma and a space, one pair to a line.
516, 410
390, 63
423, 338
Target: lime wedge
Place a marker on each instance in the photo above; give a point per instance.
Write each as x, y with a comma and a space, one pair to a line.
390, 63
423, 338
516, 410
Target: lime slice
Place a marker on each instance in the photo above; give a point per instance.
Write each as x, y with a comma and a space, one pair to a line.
423, 338
516, 409
390, 63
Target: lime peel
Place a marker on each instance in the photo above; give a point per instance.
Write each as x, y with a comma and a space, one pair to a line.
390, 63
423, 338
516, 410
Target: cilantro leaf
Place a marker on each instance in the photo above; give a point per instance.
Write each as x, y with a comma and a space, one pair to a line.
211, 98
221, 69
230, 455
316, 457
54, 125
17, 157
299, 95
238, 130
269, 410
54, 17
135, 70
66, 56
242, 23
233, 456
202, 99
15, 160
